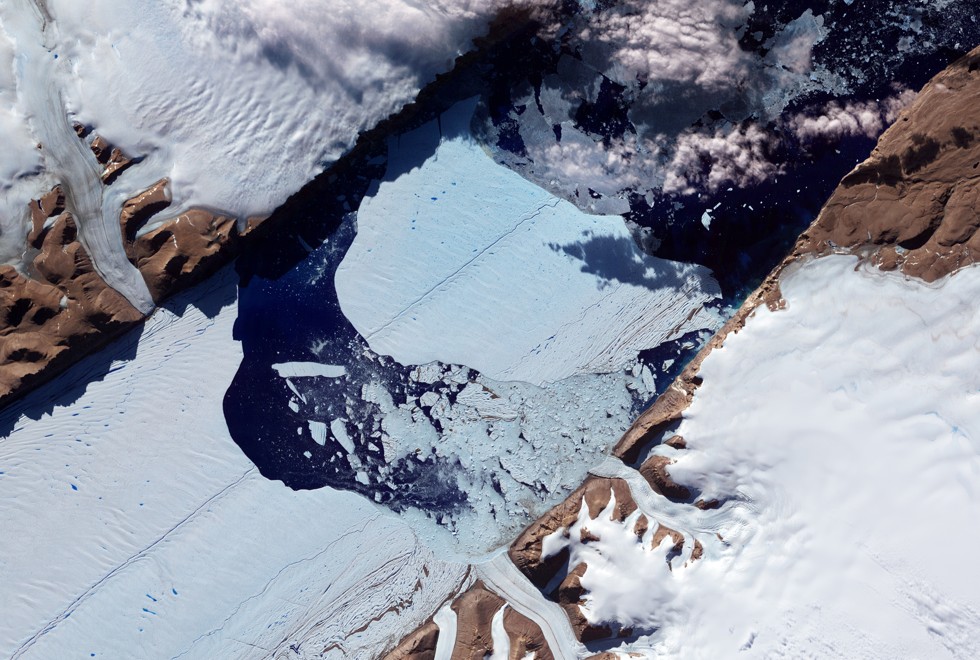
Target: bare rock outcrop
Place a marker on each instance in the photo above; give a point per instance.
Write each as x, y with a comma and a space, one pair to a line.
418, 645
113, 160
60, 313
475, 610
56, 309
915, 203
655, 471
526, 552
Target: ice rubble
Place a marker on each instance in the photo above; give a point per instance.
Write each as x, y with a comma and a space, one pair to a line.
459, 261
842, 435
131, 510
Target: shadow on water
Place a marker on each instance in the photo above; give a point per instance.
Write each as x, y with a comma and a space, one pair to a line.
297, 318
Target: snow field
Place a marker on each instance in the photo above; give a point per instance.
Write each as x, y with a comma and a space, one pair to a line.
842, 436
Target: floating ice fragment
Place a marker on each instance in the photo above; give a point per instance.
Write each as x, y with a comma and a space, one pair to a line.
308, 369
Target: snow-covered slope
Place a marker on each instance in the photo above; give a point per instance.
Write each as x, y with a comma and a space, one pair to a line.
239, 104
841, 436
130, 510
845, 431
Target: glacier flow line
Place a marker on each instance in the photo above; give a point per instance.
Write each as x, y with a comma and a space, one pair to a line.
81, 598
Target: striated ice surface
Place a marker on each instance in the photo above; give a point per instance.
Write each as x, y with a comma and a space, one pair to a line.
66, 159
131, 510
460, 260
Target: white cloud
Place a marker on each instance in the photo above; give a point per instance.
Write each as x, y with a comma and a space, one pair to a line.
687, 41
241, 103
578, 163
837, 120
737, 155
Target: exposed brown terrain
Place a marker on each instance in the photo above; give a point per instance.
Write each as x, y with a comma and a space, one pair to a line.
61, 312
475, 609
57, 308
595, 492
418, 645
181, 251
913, 205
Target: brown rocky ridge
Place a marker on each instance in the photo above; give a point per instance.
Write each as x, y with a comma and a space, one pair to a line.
181, 251
57, 309
914, 204
475, 609
544, 572
61, 311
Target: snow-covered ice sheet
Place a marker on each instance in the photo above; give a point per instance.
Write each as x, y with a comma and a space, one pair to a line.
237, 104
131, 511
21, 161
241, 103
842, 435
460, 260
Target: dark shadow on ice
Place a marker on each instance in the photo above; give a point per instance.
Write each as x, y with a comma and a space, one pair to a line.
69, 386
617, 260
209, 297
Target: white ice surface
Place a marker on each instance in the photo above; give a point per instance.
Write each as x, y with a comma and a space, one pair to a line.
445, 620
21, 161
241, 103
844, 431
500, 640
461, 260
638, 601
308, 370
66, 159
133, 526
502, 577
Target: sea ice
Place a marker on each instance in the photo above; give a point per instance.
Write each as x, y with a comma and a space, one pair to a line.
131, 510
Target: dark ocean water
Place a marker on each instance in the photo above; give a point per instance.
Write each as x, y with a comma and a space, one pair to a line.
288, 307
